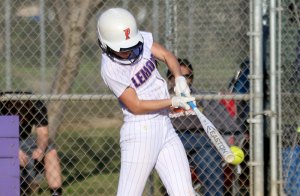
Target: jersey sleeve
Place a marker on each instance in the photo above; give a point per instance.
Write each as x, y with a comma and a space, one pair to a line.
116, 78
148, 40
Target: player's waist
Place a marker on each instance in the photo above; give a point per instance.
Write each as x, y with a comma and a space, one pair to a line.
129, 117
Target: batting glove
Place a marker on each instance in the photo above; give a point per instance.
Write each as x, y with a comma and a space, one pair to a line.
181, 87
182, 102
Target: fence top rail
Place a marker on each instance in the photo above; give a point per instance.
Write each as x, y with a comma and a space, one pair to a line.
86, 97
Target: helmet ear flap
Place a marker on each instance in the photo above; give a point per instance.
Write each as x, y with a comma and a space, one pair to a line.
102, 46
105, 49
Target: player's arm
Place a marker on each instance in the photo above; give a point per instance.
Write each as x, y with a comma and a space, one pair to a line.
42, 137
162, 54
137, 106
42, 142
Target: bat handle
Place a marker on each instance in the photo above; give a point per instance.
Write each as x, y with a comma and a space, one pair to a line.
193, 106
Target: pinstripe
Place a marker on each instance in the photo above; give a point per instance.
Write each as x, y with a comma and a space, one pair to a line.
172, 167
157, 146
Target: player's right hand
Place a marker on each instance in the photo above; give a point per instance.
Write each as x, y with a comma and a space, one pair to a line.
182, 102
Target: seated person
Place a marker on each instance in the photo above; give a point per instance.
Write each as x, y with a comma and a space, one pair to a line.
35, 150
203, 156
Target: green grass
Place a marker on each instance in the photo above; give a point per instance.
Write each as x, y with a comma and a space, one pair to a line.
104, 184
90, 164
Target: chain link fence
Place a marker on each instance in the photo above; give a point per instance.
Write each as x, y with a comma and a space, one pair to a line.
50, 48
290, 111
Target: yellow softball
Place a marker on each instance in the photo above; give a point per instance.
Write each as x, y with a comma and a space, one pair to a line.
238, 155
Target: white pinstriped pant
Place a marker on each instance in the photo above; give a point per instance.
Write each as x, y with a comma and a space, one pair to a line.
149, 144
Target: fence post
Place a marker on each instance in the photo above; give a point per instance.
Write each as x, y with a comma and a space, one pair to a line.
43, 46
258, 100
8, 68
273, 103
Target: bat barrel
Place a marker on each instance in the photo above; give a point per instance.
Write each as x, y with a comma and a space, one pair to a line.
229, 158
215, 136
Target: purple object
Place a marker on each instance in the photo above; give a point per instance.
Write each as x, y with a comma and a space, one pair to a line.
9, 126
9, 147
9, 159
9, 167
9, 186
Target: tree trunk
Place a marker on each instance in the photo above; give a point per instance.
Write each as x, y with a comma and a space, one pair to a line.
73, 16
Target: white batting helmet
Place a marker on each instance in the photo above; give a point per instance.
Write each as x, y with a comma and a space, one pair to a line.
117, 29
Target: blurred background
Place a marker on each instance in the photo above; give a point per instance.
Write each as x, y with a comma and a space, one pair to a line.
50, 48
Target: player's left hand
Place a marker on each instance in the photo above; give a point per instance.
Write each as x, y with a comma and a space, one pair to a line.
181, 87
182, 102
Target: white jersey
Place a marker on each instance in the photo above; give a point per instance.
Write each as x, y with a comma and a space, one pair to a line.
142, 76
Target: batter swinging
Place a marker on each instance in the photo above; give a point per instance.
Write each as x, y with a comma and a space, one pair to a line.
148, 139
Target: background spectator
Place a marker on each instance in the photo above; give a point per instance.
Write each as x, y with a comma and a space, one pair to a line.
36, 152
203, 157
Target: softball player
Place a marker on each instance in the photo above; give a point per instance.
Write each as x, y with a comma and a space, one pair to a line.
147, 137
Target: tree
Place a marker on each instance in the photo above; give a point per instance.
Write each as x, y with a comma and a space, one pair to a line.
73, 17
